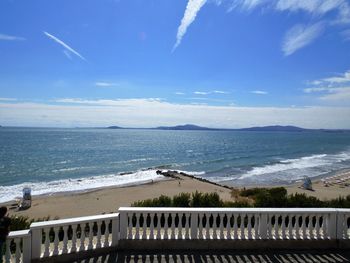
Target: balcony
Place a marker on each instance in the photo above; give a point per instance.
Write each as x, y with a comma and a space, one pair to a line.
202, 230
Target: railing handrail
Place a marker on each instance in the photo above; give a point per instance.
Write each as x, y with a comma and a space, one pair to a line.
19, 233
217, 210
74, 220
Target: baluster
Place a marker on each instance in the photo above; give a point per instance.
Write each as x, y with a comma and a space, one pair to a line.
65, 240
304, 236
151, 226
207, 233
242, 234
283, 226
47, 242
200, 228
18, 250
173, 216
222, 216
82, 237
91, 226
249, 226
74, 238
137, 228
310, 227
228, 226
290, 227
106, 235
144, 226
317, 228
55, 249
98, 241
166, 217
8, 251
180, 234
297, 227
256, 226
187, 226
159, 216
235, 227
215, 215
130, 226
276, 227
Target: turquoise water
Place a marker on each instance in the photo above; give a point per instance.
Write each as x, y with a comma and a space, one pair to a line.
54, 160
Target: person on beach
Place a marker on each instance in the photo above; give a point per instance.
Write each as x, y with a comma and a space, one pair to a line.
5, 222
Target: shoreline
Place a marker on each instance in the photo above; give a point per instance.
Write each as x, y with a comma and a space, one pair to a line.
109, 199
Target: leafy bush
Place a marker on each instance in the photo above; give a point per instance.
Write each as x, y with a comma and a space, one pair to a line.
182, 200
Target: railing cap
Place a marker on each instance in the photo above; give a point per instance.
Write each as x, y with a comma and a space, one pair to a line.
75, 220
19, 233
226, 210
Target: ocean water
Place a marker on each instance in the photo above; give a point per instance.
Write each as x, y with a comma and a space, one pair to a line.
59, 160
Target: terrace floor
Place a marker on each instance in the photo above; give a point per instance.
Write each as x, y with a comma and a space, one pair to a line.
283, 256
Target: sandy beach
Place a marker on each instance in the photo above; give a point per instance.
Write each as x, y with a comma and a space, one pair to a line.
108, 200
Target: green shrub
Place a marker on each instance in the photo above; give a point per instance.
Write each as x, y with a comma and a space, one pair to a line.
182, 200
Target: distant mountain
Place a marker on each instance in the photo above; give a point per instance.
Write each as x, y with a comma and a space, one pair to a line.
275, 128
187, 127
114, 127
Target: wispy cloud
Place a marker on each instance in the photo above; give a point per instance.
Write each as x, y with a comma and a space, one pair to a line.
179, 93
300, 36
244, 5
8, 99
259, 92
210, 92
335, 89
192, 8
346, 34
64, 45
105, 84
220, 92
201, 93
11, 38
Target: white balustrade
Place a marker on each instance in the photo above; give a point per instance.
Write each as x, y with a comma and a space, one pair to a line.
59, 237
74, 235
18, 245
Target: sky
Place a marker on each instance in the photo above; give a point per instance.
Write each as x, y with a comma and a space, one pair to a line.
147, 63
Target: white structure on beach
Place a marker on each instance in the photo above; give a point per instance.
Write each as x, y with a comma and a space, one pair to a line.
180, 228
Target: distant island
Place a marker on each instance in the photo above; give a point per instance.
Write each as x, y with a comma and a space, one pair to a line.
272, 128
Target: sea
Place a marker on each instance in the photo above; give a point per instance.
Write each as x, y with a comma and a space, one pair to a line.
56, 160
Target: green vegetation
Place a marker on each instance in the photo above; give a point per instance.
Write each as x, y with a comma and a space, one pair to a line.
254, 197
23, 222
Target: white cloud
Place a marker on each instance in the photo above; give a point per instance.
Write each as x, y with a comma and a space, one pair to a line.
11, 38
179, 93
201, 93
67, 54
141, 112
338, 95
220, 92
259, 92
337, 80
8, 99
192, 8
312, 6
300, 36
245, 5
105, 84
64, 45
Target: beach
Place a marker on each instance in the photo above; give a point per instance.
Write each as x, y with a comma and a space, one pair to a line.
108, 200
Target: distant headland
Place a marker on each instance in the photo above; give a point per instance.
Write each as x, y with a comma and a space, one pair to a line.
272, 128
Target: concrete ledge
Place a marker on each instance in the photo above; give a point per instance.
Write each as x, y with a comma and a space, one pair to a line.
230, 244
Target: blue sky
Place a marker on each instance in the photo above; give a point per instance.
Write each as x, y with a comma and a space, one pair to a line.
218, 63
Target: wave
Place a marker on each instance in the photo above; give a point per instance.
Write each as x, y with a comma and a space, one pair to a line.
8, 193
287, 170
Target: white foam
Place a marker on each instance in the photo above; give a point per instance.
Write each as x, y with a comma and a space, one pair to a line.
8, 193
303, 163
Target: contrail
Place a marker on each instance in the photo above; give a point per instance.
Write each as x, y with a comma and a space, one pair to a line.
192, 8
64, 45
